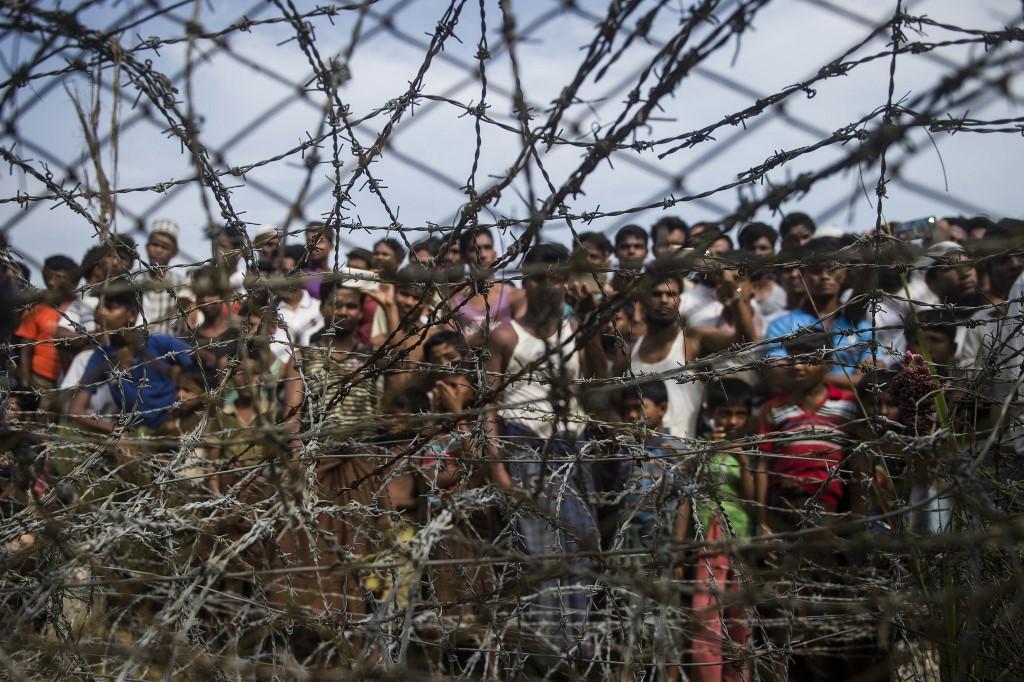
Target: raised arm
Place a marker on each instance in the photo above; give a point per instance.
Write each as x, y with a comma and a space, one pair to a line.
500, 345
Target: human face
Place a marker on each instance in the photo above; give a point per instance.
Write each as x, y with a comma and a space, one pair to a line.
409, 301
954, 282
719, 246
799, 235
212, 306
631, 249
161, 249
662, 302
189, 394
445, 355
57, 280
597, 257
270, 247
482, 254
731, 418
343, 312
229, 253
634, 409
1004, 271
941, 348
669, 241
113, 316
823, 283
545, 292
762, 248
804, 371
881, 405
384, 258
358, 264
792, 282
117, 263
460, 387
320, 245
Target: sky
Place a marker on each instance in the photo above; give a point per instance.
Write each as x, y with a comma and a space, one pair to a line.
253, 102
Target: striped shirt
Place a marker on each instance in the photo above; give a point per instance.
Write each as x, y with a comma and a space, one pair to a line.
808, 464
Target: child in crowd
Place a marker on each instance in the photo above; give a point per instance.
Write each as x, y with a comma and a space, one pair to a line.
889, 478
40, 366
654, 510
721, 508
802, 481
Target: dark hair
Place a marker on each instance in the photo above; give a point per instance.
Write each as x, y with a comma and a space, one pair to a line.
630, 231
320, 228
91, 259
60, 263
394, 245
467, 238
728, 392
754, 231
364, 254
669, 223
197, 375
431, 245
415, 275
329, 287
875, 381
596, 239
547, 254
652, 389
120, 291
711, 234
443, 337
1004, 238
297, 252
942, 320
808, 342
794, 219
233, 234
663, 268
822, 251
411, 400
980, 223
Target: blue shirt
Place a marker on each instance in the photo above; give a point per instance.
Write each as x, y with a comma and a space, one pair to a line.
653, 484
852, 341
146, 387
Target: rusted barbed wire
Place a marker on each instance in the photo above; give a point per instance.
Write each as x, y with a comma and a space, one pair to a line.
146, 557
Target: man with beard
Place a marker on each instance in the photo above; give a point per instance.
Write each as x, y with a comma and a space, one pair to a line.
331, 398
946, 277
666, 348
537, 361
342, 392
821, 310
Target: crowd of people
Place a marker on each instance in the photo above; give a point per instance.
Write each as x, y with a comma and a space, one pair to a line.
624, 414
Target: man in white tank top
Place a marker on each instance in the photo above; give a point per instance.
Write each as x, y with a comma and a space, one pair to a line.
536, 364
666, 349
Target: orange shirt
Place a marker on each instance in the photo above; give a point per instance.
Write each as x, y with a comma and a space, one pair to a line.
40, 324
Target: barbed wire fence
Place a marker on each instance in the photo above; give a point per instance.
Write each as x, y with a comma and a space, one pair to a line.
312, 562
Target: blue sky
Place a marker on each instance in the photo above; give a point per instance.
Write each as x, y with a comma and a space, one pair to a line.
250, 109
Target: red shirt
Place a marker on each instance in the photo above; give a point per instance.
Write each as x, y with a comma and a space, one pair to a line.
40, 324
811, 462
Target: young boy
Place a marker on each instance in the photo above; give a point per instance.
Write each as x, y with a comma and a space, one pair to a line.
140, 368
800, 479
40, 365
725, 489
654, 510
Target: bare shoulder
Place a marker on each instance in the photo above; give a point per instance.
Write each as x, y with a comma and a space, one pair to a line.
503, 337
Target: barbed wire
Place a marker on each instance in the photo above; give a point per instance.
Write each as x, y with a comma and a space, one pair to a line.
341, 533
